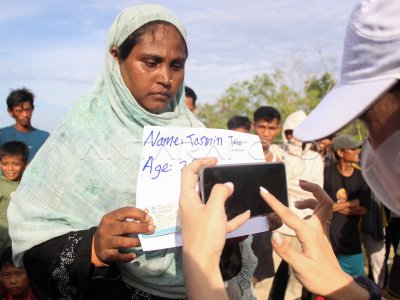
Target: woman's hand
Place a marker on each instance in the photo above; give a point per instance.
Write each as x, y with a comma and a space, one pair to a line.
204, 226
316, 267
111, 235
204, 229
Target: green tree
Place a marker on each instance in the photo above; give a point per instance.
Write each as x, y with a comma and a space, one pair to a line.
316, 88
243, 98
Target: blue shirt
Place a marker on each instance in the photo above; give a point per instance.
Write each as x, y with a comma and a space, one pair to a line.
34, 139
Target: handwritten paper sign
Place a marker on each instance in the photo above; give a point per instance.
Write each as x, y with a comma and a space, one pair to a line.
166, 150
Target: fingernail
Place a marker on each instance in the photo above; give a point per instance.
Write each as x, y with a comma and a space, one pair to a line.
277, 238
302, 181
263, 190
151, 227
229, 184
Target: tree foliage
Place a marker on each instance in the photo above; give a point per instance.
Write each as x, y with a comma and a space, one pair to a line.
243, 98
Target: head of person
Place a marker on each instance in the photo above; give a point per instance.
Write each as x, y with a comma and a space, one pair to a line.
20, 106
239, 123
288, 134
15, 280
292, 121
190, 99
13, 159
324, 144
369, 89
140, 84
346, 149
150, 50
266, 124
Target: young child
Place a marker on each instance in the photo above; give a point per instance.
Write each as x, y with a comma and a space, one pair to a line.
15, 280
13, 161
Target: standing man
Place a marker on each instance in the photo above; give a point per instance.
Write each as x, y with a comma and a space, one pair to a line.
20, 107
346, 186
267, 126
301, 163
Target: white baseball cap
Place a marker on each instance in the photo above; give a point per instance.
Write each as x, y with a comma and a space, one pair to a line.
370, 67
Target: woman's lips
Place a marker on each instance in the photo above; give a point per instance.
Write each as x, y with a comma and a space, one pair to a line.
162, 96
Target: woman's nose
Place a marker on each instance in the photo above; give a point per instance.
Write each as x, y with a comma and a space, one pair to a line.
165, 76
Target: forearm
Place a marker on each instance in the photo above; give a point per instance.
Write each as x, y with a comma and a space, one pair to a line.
353, 211
351, 291
350, 207
203, 278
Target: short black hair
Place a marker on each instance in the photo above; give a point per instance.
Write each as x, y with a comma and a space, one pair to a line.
239, 122
15, 148
266, 113
190, 93
19, 96
135, 38
6, 258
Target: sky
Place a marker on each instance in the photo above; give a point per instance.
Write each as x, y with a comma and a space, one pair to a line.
56, 48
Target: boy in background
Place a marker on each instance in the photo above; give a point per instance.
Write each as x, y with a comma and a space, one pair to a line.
15, 280
13, 161
190, 99
239, 123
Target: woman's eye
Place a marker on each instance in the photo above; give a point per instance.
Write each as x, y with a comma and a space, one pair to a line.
150, 63
177, 66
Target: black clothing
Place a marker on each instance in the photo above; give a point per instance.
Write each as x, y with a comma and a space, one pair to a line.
62, 267
344, 232
262, 248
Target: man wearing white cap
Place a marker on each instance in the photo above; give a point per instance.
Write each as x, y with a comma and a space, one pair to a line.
369, 89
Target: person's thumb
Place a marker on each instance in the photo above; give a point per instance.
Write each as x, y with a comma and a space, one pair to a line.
284, 250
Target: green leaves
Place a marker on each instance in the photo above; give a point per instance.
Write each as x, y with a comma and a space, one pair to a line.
243, 98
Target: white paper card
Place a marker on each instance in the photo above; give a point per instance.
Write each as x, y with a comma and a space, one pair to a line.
166, 150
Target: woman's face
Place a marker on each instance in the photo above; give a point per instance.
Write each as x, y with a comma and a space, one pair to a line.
155, 68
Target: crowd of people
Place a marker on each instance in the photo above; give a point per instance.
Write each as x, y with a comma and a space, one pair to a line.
18, 145
63, 211
358, 219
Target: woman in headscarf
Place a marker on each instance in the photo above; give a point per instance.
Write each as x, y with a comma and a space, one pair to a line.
68, 217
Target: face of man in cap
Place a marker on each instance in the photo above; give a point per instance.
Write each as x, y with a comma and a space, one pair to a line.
347, 148
349, 155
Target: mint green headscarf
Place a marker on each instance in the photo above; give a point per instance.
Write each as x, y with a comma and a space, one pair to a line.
89, 165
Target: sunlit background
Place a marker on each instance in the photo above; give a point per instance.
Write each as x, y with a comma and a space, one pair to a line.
56, 48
